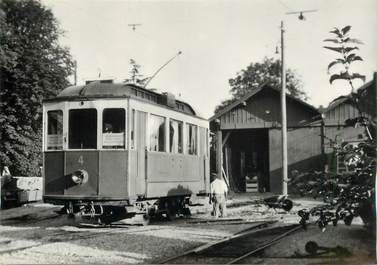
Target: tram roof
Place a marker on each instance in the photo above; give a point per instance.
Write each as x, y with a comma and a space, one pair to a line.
106, 89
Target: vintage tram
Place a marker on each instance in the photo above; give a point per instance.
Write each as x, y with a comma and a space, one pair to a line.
111, 151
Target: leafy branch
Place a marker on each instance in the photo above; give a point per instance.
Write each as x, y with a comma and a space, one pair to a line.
346, 47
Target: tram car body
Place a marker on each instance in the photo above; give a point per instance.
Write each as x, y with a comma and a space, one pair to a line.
120, 144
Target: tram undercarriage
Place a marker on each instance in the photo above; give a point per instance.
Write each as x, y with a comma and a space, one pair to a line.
105, 213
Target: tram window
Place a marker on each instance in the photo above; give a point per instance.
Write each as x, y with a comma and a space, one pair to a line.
83, 129
192, 139
156, 133
176, 143
113, 128
55, 130
132, 129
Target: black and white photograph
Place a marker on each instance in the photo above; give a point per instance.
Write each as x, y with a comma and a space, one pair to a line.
188, 131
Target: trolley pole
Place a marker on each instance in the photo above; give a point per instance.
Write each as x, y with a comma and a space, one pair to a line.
283, 118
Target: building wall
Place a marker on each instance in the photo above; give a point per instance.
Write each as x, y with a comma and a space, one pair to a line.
347, 110
340, 113
304, 153
263, 111
369, 98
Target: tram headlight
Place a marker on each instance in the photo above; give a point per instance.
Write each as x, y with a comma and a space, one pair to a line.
80, 176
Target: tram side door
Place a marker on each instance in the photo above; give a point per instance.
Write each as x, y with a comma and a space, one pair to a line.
141, 133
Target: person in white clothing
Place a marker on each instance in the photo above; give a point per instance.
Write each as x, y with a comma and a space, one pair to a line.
218, 193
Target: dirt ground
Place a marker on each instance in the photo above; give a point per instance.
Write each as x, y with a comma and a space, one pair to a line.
35, 234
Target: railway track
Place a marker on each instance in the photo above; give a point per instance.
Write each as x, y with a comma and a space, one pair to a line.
236, 248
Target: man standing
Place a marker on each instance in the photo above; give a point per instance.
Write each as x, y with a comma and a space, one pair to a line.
218, 193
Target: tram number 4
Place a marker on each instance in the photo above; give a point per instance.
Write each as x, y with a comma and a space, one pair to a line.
81, 160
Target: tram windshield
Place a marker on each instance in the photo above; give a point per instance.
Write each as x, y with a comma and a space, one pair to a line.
82, 129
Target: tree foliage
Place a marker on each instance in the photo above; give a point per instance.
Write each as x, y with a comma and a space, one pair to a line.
346, 195
33, 67
351, 193
136, 77
257, 74
345, 47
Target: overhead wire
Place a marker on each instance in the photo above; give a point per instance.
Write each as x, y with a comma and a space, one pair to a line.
283, 4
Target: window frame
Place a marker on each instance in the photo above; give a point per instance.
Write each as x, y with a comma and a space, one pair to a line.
181, 135
46, 147
196, 153
98, 134
101, 133
165, 138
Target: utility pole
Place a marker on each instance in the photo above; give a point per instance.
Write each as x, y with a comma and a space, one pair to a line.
283, 118
284, 145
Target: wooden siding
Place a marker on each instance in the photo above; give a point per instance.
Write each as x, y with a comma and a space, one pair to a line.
340, 113
341, 134
304, 153
345, 109
263, 111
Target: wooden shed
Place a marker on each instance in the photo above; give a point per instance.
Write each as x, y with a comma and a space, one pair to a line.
342, 109
249, 134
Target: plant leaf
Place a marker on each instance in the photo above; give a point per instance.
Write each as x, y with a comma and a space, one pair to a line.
332, 40
334, 77
348, 49
350, 57
356, 41
337, 32
334, 63
357, 58
346, 29
359, 76
353, 57
343, 75
335, 49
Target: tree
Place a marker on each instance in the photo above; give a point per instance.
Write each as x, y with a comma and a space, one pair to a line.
257, 74
33, 67
136, 78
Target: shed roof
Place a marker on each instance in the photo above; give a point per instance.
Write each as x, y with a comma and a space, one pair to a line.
255, 92
342, 99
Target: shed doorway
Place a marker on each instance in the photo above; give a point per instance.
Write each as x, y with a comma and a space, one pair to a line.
246, 160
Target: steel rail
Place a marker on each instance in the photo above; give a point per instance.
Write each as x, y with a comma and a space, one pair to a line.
273, 241
208, 245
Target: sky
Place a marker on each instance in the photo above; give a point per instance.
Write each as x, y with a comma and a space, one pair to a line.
217, 39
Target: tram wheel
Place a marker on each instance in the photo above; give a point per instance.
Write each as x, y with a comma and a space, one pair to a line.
171, 214
145, 220
186, 212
